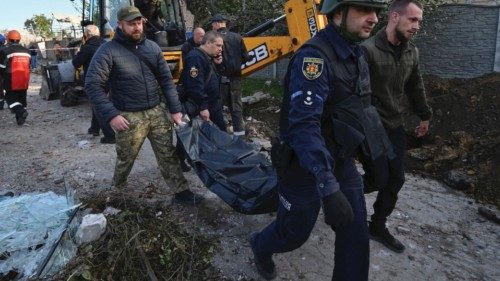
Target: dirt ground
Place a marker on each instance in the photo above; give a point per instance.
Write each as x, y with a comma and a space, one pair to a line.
446, 239
463, 146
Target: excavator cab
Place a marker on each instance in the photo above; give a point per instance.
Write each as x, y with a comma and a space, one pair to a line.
164, 21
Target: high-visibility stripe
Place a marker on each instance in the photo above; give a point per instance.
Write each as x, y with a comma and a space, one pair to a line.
18, 55
2, 66
15, 104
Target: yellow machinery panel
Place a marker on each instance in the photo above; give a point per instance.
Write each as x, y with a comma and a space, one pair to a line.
303, 22
174, 60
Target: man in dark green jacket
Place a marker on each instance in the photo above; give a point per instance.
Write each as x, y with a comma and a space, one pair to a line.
395, 73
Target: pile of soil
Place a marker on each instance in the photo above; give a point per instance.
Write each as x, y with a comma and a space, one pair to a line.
462, 148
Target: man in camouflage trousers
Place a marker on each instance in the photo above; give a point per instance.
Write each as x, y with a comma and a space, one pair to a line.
133, 68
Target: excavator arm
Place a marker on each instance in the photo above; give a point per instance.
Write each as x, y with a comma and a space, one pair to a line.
302, 18
303, 22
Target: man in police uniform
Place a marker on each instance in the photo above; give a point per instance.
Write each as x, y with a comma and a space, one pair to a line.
200, 79
234, 55
327, 82
395, 73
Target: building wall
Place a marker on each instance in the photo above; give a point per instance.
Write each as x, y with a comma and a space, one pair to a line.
460, 41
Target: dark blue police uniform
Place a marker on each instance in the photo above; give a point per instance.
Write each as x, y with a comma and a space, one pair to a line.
314, 84
201, 85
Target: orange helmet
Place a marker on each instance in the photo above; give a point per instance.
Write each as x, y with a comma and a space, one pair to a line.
13, 35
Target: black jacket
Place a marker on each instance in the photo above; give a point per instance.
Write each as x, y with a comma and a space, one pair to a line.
188, 46
87, 51
200, 81
133, 84
233, 55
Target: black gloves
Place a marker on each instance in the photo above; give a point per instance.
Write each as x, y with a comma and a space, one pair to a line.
337, 210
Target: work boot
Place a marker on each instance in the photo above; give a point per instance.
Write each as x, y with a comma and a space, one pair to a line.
92, 131
2, 104
21, 117
185, 167
106, 140
188, 197
380, 233
265, 266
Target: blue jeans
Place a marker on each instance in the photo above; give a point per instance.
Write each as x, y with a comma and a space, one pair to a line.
297, 213
33, 62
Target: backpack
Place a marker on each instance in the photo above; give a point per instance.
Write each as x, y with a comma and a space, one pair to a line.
20, 71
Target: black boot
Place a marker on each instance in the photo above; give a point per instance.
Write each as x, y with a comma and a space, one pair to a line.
21, 117
107, 140
380, 233
92, 131
265, 266
188, 197
185, 167
2, 104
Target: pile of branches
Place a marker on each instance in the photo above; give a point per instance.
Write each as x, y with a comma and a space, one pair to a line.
144, 244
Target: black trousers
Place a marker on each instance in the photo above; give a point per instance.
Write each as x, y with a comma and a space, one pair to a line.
386, 176
97, 123
16, 100
2, 95
231, 95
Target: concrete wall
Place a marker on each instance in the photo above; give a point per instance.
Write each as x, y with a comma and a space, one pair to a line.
457, 41
460, 41
276, 72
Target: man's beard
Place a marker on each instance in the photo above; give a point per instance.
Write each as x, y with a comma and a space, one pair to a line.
401, 36
135, 37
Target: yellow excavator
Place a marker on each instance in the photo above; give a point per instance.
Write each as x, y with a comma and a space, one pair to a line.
302, 19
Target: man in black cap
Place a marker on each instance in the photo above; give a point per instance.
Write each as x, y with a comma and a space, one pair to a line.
233, 55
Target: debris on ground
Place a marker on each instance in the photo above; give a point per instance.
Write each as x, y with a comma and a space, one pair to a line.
91, 228
463, 146
255, 98
32, 226
489, 214
143, 242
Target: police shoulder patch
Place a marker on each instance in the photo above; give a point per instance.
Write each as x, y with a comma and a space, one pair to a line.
193, 72
312, 67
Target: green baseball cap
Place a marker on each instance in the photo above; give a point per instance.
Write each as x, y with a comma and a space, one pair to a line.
129, 13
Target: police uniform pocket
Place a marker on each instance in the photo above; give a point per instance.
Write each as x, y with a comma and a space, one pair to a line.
298, 222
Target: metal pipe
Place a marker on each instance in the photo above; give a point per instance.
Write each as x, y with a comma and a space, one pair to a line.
102, 15
264, 26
